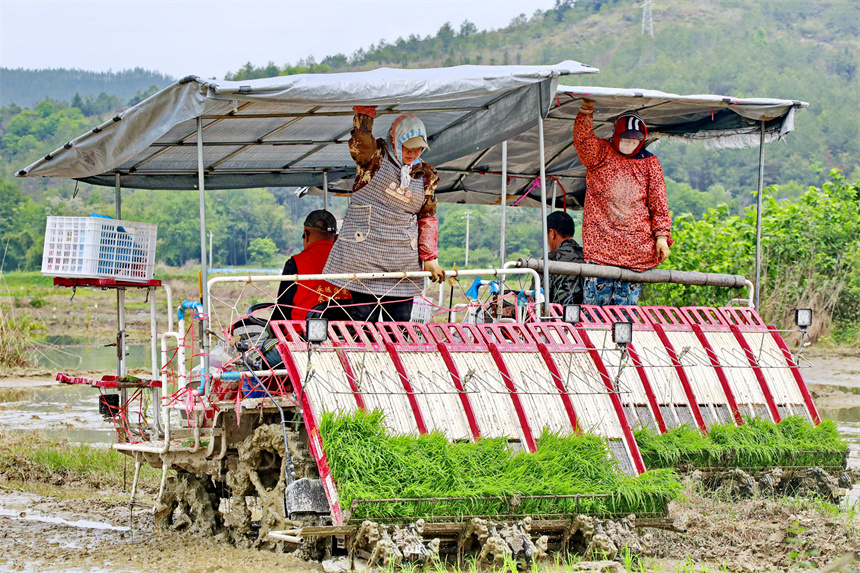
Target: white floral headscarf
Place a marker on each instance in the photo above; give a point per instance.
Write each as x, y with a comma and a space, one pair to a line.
404, 128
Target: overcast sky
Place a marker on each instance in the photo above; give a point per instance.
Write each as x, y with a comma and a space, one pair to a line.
210, 38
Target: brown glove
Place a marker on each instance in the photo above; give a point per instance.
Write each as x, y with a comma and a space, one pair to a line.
436, 271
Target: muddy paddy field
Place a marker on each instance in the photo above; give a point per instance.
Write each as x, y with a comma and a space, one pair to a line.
64, 502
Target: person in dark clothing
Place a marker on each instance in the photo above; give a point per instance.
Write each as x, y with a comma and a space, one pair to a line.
563, 289
296, 299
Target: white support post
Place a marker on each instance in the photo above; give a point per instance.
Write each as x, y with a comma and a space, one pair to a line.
502, 248
325, 190
546, 292
204, 269
467, 216
121, 366
757, 298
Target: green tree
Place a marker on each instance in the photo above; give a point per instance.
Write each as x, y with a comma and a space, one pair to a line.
261, 250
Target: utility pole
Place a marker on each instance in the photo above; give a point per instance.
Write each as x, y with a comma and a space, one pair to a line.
647, 20
210, 249
467, 216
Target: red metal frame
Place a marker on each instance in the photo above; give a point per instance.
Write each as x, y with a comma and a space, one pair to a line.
565, 335
649, 391
641, 324
457, 336
703, 318
452, 336
707, 318
350, 376
801, 384
748, 319
392, 333
638, 462
104, 283
511, 337
314, 438
682, 374
757, 370
515, 398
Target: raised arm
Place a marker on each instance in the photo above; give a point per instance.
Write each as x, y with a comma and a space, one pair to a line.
362, 144
590, 148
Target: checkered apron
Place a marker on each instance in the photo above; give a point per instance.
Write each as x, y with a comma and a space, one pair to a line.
380, 234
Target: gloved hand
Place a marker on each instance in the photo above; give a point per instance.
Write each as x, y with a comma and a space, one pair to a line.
587, 105
662, 248
368, 110
436, 271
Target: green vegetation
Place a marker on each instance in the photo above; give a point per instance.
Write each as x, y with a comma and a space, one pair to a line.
810, 249
368, 464
757, 444
16, 338
36, 457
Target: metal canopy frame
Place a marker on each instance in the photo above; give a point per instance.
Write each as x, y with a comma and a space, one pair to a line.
210, 106
138, 144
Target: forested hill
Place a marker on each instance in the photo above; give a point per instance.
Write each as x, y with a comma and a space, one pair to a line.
788, 49
28, 87
770, 48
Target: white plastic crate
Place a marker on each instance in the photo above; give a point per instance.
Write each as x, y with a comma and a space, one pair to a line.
96, 247
422, 309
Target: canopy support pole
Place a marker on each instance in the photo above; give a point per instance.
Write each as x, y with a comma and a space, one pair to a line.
121, 366
554, 192
325, 190
546, 292
204, 339
757, 297
502, 253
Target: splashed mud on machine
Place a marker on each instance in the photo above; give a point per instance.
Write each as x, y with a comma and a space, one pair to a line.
235, 401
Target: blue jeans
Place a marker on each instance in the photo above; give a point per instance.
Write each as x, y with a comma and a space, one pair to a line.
606, 292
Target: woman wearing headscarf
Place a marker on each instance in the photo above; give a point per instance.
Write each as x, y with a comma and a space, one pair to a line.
390, 225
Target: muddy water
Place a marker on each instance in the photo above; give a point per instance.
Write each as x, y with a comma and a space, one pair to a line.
59, 409
88, 357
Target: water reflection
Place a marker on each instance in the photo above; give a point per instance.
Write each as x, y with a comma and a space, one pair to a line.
88, 357
70, 411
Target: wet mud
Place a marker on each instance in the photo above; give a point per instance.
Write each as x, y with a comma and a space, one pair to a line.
39, 533
97, 532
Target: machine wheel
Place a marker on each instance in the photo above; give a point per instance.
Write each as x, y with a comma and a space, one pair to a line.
188, 504
259, 473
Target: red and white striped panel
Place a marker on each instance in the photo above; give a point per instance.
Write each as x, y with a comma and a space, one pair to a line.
416, 355
715, 405
585, 389
768, 350
744, 379
472, 365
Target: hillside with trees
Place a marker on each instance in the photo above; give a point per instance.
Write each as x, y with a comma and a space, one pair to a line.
773, 48
25, 88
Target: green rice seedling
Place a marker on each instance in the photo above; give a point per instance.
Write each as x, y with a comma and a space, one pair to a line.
758, 443
678, 446
483, 476
35, 457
